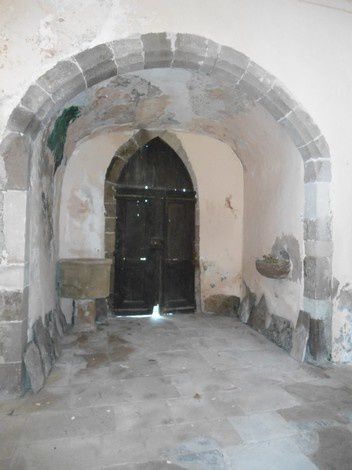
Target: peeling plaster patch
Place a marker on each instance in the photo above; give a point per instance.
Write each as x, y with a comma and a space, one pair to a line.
47, 37
342, 326
79, 205
47, 217
228, 203
335, 287
287, 247
345, 298
57, 138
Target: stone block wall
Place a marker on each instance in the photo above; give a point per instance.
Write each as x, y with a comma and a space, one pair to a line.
42, 352
304, 341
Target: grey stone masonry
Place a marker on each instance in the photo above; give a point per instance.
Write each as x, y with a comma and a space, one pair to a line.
246, 306
11, 378
22, 120
318, 229
11, 333
278, 102
38, 101
128, 54
43, 341
50, 324
280, 331
256, 82
317, 277
34, 367
97, 64
317, 170
316, 149
317, 341
300, 127
15, 151
194, 52
230, 65
157, 50
300, 337
259, 316
63, 82
11, 305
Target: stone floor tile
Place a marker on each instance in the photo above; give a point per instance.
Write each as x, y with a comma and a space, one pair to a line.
71, 423
196, 408
103, 393
143, 415
58, 454
313, 392
261, 427
278, 454
143, 367
202, 382
11, 431
146, 388
335, 449
265, 399
312, 416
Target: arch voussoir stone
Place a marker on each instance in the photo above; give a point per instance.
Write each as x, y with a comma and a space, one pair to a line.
157, 50
97, 64
64, 81
300, 127
128, 54
230, 65
38, 101
256, 82
15, 150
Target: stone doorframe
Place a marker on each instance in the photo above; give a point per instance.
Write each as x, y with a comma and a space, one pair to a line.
121, 157
49, 93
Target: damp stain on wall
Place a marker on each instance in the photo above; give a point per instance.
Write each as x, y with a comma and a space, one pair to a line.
342, 350
228, 203
287, 247
57, 137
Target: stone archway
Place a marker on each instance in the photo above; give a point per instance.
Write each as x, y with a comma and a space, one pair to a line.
70, 77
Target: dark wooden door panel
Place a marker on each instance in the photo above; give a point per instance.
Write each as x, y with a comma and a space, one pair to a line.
133, 265
154, 233
178, 268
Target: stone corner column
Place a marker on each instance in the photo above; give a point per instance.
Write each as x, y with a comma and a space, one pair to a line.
13, 339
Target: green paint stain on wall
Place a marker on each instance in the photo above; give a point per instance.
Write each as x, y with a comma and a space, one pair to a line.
57, 138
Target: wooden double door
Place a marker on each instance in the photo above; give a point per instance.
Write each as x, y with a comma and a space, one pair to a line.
154, 263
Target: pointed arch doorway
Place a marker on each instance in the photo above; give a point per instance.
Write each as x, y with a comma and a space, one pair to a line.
155, 233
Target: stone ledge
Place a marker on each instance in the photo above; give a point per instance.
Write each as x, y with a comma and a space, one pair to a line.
84, 278
222, 304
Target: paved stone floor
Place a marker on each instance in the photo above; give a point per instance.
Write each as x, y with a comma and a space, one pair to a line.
182, 392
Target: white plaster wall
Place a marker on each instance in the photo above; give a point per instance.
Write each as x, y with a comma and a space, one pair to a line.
273, 208
82, 223
219, 176
220, 197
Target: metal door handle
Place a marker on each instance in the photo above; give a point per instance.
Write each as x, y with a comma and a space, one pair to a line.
156, 243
